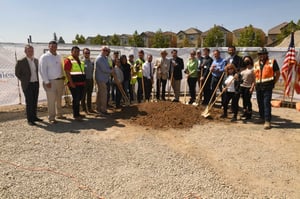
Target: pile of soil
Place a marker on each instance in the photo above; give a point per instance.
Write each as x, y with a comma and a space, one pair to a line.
166, 114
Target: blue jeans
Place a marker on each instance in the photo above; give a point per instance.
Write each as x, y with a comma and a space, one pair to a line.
264, 103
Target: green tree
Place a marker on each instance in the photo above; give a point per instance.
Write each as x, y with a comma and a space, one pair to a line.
214, 38
136, 40
286, 31
186, 42
79, 39
54, 37
61, 40
250, 37
160, 40
98, 40
114, 40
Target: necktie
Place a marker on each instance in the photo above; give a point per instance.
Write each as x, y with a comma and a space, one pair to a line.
150, 70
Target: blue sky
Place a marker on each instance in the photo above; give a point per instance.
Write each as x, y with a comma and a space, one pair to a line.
41, 18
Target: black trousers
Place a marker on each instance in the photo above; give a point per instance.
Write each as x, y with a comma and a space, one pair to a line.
192, 81
77, 94
246, 96
31, 98
148, 88
234, 97
161, 82
139, 90
86, 101
207, 91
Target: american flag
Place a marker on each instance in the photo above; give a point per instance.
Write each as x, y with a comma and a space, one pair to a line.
289, 65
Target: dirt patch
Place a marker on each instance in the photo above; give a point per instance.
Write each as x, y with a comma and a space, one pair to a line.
165, 114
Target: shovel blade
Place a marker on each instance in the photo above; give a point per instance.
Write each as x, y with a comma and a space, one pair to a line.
205, 112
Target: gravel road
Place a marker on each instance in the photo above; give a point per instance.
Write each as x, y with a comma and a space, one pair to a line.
113, 158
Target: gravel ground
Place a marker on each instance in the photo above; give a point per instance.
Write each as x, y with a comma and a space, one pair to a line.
113, 158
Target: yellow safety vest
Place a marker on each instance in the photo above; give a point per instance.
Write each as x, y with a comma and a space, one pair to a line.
77, 71
139, 67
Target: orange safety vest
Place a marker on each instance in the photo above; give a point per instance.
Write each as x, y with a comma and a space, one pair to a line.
267, 74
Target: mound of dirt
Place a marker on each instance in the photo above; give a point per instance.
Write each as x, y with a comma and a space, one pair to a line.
165, 114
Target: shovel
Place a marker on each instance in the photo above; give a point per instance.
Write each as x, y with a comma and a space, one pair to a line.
206, 113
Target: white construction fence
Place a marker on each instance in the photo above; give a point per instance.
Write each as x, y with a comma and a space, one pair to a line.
11, 92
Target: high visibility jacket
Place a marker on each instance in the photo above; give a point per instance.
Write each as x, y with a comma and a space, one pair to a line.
139, 67
267, 73
77, 71
110, 61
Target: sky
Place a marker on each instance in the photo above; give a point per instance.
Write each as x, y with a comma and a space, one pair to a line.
41, 18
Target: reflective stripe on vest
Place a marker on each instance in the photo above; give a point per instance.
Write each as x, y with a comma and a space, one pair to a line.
267, 75
77, 71
139, 67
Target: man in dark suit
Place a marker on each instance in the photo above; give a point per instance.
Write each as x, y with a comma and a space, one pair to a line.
234, 58
176, 68
27, 72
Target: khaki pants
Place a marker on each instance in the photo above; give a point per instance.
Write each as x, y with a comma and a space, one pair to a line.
101, 100
54, 98
176, 88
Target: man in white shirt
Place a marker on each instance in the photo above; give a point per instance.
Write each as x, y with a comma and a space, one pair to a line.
51, 71
148, 76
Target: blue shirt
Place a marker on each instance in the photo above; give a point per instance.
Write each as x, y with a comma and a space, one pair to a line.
103, 70
219, 64
88, 68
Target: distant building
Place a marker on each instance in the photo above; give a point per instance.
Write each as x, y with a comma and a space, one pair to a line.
274, 32
227, 36
124, 39
147, 38
172, 37
189, 38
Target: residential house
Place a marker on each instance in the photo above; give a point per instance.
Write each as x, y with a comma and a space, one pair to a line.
172, 37
124, 39
274, 32
227, 36
237, 32
147, 38
189, 38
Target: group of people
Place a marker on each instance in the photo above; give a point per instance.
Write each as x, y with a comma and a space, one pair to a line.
116, 79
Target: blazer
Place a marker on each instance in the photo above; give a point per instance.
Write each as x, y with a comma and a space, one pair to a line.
23, 72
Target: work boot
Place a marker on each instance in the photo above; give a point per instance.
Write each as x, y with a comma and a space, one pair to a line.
267, 125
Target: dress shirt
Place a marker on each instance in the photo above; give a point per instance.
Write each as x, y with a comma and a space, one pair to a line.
148, 70
219, 64
33, 69
50, 67
103, 70
88, 68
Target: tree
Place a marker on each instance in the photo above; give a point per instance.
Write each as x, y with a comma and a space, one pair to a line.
160, 40
61, 40
98, 40
250, 37
114, 40
286, 31
214, 38
136, 40
79, 39
54, 37
186, 42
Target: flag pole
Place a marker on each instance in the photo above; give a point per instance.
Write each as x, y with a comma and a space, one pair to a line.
295, 79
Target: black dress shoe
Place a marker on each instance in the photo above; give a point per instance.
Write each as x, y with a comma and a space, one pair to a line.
32, 123
38, 119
